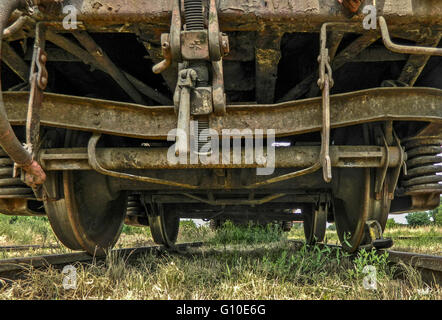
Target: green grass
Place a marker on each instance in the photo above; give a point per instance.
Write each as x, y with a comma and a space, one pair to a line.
25, 230
229, 233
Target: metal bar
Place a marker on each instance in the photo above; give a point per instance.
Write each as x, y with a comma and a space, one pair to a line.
354, 49
38, 81
106, 63
333, 42
15, 27
221, 202
404, 48
156, 158
290, 118
377, 54
169, 74
15, 62
148, 91
345, 56
97, 167
88, 59
305, 16
267, 56
182, 145
416, 63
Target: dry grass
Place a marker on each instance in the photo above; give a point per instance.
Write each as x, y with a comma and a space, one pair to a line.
280, 271
259, 265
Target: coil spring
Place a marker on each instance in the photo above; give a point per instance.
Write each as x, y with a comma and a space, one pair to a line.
134, 205
193, 12
424, 165
11, 187
202, 136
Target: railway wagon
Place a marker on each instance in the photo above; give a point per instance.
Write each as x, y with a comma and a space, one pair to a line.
144, 112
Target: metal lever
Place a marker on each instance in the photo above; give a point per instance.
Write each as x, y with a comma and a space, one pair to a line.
186, 81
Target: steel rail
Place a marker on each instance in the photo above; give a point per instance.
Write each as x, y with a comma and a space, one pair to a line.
10, 268
415, 238
26, 247
430, 266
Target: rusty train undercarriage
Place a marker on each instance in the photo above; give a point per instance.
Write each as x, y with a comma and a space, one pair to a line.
98, 95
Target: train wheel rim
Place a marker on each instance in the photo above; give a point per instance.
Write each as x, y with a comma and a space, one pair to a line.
89, 215
315, 224
96, 224
351, 228
56, 212
164, 226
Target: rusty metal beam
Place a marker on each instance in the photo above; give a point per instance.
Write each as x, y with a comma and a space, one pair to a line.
156, 158
354, 49
15, 62
106, 63
88, 59
289, 15
267, 56
290, 118
346, 55
416, 63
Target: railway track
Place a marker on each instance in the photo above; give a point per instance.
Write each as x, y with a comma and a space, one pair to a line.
430, 266
12, 268
26, 247
415, 238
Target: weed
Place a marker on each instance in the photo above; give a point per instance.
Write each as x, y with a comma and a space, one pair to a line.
230, 233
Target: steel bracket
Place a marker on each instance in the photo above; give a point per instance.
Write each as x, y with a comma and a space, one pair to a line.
186, 82
386, 179
197, 45
376, 235
381, 173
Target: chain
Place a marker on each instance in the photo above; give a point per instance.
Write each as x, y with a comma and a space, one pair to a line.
325, 83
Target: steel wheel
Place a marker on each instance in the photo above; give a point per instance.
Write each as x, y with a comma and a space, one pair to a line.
164, 226
56, 211
315, 224
355, 205
88, 215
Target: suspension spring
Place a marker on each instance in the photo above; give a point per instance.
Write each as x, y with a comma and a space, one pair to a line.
193, 12
134, 205
202, 136
11, 187
424, 165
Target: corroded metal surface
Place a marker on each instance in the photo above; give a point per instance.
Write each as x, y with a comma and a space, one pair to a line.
251, 14
294, 117
8, 140
156, 158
